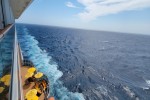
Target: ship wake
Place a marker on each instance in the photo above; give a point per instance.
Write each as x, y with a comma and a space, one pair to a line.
44, 63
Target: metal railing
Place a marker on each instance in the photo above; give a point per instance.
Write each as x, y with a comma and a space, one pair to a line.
15, 91
27, 62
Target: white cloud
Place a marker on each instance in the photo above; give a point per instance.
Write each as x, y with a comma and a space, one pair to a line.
71, 5
96, 8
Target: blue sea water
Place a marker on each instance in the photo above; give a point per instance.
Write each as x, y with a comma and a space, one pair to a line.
6, 47
89, 65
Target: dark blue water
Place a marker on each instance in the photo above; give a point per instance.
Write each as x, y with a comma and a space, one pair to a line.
6, 52
93, 65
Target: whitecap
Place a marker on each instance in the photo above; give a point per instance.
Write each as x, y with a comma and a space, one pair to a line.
103, 90
148, 82
130, 93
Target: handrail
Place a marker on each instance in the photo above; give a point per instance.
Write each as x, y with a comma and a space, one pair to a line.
19, 71
20, 53
15, 92
4, 31
27, 63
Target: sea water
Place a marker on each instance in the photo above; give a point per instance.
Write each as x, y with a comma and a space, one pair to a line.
90, 65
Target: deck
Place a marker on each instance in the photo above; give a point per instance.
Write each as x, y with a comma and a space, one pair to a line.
26, 88
23, 72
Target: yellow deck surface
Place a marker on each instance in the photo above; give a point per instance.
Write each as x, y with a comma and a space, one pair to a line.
26, 88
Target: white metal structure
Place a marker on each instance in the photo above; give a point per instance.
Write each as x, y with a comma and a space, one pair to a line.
11, 10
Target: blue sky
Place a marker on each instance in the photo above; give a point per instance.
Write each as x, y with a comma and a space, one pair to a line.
131, 16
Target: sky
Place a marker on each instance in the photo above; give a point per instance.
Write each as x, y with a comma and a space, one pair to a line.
128, 16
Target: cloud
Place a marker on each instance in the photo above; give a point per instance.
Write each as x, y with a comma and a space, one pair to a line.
97, 8
71, 5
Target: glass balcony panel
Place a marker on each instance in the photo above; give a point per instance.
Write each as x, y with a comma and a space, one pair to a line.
6, 55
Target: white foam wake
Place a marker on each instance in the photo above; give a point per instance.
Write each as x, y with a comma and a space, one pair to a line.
44, 64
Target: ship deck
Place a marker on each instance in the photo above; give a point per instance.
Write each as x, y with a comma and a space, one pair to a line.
30, 86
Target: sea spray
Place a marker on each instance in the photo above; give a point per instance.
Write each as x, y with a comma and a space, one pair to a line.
44, 63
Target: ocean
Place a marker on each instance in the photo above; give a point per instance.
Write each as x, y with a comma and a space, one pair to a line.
89, 65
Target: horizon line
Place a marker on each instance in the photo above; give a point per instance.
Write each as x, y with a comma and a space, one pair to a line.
84, 28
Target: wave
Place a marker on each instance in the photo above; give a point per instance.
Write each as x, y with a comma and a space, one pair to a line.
147, 85
44, 64
148, 82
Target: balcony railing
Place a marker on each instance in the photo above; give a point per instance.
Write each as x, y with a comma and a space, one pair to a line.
10, 63
16, 86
